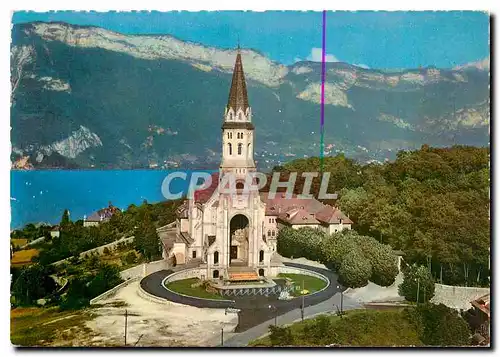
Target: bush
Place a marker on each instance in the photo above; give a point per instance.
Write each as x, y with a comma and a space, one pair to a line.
280, 336
106, 251
417, 281
130, 258
439, 325
33, 283
382, 259
355, 270
336, 247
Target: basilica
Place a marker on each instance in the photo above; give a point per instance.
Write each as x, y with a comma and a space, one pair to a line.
226, 234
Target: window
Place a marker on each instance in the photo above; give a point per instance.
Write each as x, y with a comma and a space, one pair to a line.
261, 272
240, 147
240, 185
230, 149
273, 233
216, 258
261, 256
268, 233
215, 274
270, 220
241, 135
194, 254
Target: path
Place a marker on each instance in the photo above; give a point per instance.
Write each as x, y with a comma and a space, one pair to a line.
242, 339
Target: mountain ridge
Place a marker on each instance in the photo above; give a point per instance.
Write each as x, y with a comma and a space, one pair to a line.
134, 103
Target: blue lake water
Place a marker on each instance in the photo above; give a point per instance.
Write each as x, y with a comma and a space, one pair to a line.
42, 196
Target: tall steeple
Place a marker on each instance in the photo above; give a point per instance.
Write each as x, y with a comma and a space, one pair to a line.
238, 97
237, 128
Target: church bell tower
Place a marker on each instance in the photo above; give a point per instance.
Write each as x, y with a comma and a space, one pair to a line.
237, 128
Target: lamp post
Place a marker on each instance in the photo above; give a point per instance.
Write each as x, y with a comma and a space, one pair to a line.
341, 300
418, 288
302, 306
275, 314
222, 336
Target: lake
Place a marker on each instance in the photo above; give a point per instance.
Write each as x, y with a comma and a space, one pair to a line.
42, 196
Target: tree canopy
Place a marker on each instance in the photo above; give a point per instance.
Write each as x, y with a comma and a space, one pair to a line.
432, 203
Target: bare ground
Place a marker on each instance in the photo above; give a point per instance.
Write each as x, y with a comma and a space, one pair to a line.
153, 324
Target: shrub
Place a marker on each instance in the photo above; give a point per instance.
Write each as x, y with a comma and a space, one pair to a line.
417, 281
336, 247
33, 283
280, 336
439, 325
382, 259
130, 258
355, 270
106, 251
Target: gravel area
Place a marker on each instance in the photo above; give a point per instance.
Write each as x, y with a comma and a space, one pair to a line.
159, 324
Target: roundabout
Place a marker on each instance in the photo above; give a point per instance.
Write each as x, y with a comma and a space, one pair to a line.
254, 303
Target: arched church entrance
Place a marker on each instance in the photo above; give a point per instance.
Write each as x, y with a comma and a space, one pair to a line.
238, 240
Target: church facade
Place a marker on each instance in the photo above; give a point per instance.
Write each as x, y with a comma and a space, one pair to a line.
227, 232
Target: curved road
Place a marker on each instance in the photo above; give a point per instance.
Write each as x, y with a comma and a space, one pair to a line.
255, 309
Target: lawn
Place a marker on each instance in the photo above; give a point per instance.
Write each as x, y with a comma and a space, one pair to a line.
24, 256
19, 242
184, 287
43, 326
356, 328
300, 281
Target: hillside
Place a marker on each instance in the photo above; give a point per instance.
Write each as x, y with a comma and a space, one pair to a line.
85, 97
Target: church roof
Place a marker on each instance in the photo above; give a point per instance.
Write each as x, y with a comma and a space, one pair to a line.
202, 196
238, 97
297, 210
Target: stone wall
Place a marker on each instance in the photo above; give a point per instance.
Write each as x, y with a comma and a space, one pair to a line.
100, 249
145, 269
183, 274
112, 291
457, 297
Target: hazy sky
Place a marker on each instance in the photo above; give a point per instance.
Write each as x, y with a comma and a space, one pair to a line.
374, 39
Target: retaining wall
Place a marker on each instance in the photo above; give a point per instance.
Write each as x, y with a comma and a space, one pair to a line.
112, 291
145, 269
457, 297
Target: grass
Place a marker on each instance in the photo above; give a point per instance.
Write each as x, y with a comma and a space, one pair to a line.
43, 326
19, 242
184, 287
24, 256
356, 328
310, 283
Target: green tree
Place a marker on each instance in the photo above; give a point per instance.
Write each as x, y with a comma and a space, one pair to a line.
355, 270
417, 281
65, 221
107, 277
382, 259
33, 283
146, 239
439, 325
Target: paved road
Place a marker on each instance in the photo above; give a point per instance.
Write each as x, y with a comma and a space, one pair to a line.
255, 310
328, 306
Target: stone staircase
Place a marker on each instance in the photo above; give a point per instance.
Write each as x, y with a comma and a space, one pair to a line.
242, 273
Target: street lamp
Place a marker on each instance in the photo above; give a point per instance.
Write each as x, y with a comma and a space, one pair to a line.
275, 314
341, 300
418, 288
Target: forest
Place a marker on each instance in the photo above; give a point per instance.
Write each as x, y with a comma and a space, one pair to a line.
433, 204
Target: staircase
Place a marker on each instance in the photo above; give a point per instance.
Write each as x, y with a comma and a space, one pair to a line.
242, 273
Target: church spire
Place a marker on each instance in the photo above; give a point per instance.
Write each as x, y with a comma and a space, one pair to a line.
238, 98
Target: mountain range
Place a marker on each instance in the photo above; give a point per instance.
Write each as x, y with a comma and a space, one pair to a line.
87, 97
